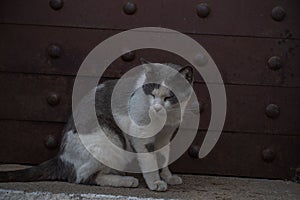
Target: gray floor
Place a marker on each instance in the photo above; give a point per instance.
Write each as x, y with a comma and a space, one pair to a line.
194, 187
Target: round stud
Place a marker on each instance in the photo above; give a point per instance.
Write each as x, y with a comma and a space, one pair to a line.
278, 13
129, 8
275, 63
129, 56
203, 10
200, 60
54, 51
56, 4
51, 142
272, 111
53, 99
268, 155
194, 151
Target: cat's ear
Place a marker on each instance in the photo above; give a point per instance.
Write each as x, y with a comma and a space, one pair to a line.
146, 64
144, 61
188, 73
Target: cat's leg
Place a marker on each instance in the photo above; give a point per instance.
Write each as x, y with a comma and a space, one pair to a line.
87, 170
165, 173
97, 174
152, 178
113, 180
147, 163
170, 178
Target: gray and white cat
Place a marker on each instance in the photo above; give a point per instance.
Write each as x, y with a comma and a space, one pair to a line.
74, 163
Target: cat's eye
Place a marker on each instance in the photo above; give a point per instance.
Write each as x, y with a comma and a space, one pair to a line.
167, 98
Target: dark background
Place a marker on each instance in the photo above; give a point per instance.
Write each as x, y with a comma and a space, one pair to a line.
255, 45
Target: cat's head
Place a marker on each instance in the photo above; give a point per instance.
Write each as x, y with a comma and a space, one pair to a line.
161, 94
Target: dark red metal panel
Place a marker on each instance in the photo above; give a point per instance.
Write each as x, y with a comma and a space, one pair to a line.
48, 98
235, 153
75, 13
247, 109
26, 97
240, 60
248, 154
239, 18
28, 142
255, 45
31, 45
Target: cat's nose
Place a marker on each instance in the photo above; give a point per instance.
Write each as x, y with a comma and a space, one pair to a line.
157, 107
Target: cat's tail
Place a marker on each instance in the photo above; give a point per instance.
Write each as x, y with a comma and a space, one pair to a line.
48, 170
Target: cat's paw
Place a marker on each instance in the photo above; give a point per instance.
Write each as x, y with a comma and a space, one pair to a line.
159, 186
174, 180
129, 181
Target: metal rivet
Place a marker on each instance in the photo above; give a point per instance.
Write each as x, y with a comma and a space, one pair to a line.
51, 142
53, 99
203, 10
200, 59
268, 155
194, 151
275, 63
272, 111
129, 8
54, 51
56, 4
129, 56
278, 13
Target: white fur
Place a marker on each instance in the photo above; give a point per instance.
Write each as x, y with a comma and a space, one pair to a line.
76, 154
80, 155
140, 81
116, 180
101, 86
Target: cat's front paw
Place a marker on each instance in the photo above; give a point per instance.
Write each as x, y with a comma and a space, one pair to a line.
159, 186
174, 180
129, 181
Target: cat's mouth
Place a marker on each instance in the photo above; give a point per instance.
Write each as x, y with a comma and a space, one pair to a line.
158, 109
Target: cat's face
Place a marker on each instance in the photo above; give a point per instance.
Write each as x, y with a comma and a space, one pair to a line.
160, 95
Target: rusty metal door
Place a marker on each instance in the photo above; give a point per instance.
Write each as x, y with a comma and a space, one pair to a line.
255, 44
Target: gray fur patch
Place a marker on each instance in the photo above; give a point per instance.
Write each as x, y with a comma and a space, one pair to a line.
53, 169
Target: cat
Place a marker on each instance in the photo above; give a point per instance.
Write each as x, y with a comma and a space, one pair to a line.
74, 162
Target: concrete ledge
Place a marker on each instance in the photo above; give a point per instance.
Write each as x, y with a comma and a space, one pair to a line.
193, 187
19, 195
